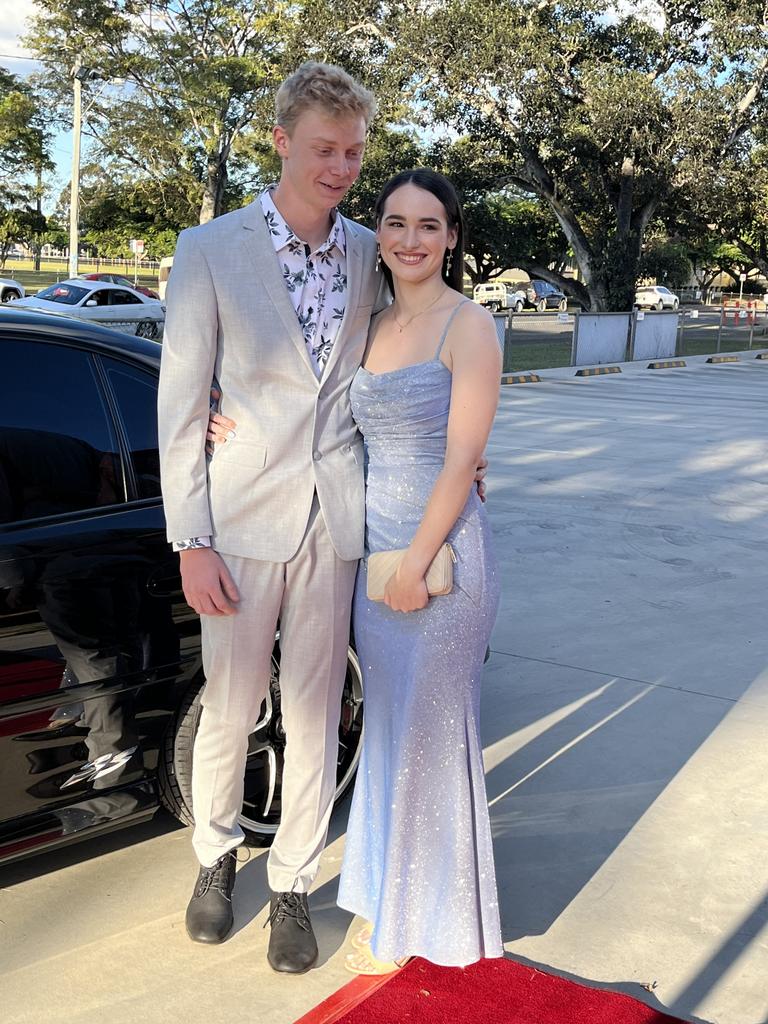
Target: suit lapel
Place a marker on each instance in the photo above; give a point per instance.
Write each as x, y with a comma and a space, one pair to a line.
259, 245
354, 281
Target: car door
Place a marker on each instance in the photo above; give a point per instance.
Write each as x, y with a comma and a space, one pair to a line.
95, 305
89, 662
124, 305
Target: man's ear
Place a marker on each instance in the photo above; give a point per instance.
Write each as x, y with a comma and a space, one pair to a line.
281, 140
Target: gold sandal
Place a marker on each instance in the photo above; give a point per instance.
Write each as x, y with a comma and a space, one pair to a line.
362, 939
364, 962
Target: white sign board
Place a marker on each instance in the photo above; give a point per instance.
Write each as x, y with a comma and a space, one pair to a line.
137, 246
742, 277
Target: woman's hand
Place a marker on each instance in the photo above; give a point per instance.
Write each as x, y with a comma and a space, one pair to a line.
482, 469
220, 428
406, 591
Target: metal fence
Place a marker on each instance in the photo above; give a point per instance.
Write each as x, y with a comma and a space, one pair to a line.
541, 340
149, 327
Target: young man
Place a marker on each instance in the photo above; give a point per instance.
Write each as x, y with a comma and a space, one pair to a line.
272, 300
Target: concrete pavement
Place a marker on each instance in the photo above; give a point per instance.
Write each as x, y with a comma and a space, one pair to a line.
625, 722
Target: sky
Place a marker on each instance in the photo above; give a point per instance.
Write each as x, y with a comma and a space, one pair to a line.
13, 17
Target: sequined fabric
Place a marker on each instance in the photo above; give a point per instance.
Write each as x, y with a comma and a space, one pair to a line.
419, 859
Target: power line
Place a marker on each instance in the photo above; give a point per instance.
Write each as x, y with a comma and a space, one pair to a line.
36, 60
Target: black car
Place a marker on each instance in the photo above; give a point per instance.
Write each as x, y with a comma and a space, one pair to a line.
541, 295
100, 668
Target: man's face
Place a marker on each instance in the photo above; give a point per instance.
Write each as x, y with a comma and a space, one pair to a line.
321, 156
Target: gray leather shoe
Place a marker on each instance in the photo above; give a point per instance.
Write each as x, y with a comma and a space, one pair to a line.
209, 914
292, 944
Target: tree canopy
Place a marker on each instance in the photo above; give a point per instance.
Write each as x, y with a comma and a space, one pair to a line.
569, 126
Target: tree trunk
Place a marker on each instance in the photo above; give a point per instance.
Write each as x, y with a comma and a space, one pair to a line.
216, 183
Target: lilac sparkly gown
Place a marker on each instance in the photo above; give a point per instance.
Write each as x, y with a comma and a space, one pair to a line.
419, 860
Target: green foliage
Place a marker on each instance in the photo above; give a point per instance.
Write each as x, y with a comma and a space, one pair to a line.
666, 262
603, 115
198, 76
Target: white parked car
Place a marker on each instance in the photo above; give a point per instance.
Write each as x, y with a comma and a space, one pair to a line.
496, 295
656, 296
99, 301
10, 290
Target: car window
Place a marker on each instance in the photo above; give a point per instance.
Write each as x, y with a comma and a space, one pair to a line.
136, 394
57, 448
101, 296
123, 298
66, 294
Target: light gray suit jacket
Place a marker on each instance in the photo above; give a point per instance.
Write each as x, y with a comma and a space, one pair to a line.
229, 316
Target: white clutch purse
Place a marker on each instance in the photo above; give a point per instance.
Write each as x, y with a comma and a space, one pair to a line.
382, 565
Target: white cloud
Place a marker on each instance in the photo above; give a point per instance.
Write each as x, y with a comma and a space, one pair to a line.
13, 25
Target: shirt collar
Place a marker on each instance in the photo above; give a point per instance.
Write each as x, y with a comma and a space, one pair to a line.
282, 235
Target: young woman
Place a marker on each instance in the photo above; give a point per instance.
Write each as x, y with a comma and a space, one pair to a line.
418, 862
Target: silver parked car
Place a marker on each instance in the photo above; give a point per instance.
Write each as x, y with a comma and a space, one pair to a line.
655, 296
10, 290
97, 301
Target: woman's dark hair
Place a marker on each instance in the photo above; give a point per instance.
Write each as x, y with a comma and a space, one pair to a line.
442, 189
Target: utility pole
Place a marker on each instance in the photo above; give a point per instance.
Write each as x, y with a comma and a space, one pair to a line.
74, 190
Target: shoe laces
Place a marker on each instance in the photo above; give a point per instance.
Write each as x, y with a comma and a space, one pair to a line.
289, 905
217, 877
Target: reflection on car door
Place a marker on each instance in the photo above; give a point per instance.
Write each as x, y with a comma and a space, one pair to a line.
81, 641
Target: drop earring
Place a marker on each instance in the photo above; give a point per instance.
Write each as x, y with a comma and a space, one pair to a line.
378, 257
449, 262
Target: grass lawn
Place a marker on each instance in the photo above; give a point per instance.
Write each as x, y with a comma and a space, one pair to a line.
33, 281
729, 342
537, 356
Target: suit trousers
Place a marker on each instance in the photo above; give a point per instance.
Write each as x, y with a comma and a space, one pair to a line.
311, 596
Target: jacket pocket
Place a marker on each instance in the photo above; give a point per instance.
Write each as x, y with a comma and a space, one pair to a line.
244, 453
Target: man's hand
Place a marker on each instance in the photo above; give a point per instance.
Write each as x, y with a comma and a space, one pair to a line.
482, 468
208, 586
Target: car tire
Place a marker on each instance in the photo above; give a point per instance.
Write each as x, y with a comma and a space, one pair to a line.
262, 777
675, 306
9, 294
519, 306
659, 305
146, 329
563, 305
541, 305
493, 307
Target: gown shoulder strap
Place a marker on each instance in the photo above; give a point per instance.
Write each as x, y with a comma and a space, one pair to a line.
447, 327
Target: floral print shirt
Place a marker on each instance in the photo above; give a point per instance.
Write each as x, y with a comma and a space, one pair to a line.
316, 281
317, 286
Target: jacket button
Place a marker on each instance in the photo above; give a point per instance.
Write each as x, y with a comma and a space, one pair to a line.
317, 456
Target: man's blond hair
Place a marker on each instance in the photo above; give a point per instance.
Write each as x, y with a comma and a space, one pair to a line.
326, 87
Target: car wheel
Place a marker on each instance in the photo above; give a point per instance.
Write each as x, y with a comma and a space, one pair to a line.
562, 305
9, 294
261, 810
542, 305
519, 306
146, 329
659, 305
675, 305
493, 307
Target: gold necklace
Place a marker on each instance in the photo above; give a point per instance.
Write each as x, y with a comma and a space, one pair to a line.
420, 313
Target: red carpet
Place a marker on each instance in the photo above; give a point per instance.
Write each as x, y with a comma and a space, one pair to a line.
489, 992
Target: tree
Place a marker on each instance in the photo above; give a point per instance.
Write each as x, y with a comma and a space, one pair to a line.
601, 114
197, 74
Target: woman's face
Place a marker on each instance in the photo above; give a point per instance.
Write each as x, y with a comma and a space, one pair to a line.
413, 234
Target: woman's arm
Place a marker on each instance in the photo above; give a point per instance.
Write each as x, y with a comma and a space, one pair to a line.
475, 359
